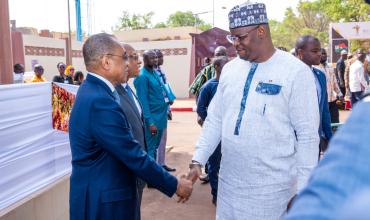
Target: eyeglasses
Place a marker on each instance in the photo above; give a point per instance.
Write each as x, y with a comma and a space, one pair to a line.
233, 38
123, 56
134, 57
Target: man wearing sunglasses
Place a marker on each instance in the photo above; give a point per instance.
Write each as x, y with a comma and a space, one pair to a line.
265, 113
131, 107
106, 158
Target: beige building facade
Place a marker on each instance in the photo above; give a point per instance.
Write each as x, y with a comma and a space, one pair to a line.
176, 46
49, 52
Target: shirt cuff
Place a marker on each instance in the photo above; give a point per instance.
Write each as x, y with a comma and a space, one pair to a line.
200, 157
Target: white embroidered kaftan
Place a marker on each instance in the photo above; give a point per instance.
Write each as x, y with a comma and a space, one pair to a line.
278, 142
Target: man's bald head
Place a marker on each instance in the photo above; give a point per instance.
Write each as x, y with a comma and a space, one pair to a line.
220, 51
149, 57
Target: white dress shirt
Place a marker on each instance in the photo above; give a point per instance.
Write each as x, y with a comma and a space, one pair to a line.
109, 84
138, 106
357, 81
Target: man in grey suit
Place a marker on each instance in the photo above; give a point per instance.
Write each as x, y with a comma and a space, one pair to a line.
131, 106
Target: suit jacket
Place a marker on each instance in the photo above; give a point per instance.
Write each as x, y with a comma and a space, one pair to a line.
106, 159
135, 119
149, 90
60, 79
325, 122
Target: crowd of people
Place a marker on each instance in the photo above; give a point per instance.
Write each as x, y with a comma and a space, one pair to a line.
66, 74
266, 120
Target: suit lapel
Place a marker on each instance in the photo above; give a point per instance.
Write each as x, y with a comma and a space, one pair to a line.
320, 77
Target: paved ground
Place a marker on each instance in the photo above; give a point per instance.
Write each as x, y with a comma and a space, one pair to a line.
182, 135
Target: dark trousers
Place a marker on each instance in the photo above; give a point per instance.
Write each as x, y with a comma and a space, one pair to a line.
355, 96
334, 112
343, 90
213, 169
140, 184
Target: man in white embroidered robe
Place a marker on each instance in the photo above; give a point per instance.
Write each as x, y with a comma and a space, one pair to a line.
265, 112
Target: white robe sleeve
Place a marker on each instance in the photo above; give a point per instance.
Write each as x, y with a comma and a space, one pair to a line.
305, 119
210, 136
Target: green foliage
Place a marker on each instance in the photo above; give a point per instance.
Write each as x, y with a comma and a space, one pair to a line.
314, 17
180, 19
205, 26
177, 19
160, 25
134, 21
346, 10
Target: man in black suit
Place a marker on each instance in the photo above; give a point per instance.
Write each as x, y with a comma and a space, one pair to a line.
62, 78
132, 108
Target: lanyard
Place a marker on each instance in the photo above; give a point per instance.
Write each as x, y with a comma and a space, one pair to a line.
245, 96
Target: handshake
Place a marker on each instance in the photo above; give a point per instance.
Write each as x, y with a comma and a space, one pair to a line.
185, 183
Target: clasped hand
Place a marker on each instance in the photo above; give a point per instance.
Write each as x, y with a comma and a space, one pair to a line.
185, 183
184, 189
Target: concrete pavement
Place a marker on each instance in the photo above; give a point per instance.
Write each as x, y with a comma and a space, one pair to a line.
183, 132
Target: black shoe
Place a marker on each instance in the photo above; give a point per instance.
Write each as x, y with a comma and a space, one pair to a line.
169, 169
204, 178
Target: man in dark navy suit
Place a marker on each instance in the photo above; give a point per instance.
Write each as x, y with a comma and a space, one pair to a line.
308, 49
106, 159
132, 108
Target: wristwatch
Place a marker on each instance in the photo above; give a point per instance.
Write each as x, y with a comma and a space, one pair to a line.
194, 163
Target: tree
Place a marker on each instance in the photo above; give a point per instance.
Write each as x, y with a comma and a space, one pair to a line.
314, 17
346, 10
134, 22
160, 25
180, 19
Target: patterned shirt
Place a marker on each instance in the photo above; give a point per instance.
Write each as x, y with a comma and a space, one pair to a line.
332, 86
203, 76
